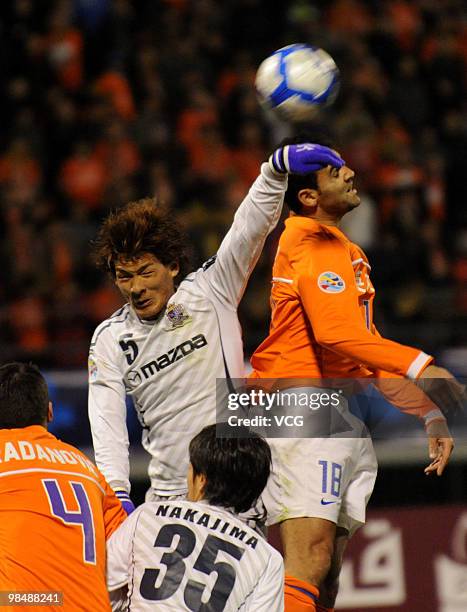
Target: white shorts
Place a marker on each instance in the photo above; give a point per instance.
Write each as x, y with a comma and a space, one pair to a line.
329, 478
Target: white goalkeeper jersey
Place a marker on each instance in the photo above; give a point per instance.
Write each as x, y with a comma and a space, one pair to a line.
182, 555
169, 366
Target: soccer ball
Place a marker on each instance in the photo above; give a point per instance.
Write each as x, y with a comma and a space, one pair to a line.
296, 81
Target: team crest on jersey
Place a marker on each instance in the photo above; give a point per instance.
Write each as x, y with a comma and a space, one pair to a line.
177, 316
362, 279
330, 282
92, 369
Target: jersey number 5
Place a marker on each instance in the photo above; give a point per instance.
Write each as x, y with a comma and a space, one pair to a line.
81, 518
205, 563
130, 350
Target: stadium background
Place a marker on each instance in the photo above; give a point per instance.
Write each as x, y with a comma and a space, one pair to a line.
107, 101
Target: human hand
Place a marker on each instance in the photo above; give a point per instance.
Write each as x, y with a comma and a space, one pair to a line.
303, 158
440, 445
125, 500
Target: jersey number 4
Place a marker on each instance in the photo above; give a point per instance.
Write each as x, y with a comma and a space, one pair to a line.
81, 518
205, 563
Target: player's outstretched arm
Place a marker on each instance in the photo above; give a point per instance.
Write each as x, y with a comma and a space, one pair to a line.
257, 216
227, 273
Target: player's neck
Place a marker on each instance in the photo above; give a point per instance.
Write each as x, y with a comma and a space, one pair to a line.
326, 219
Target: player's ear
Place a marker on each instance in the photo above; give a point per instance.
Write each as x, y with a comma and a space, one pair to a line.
174, 269
201, 485
308, 198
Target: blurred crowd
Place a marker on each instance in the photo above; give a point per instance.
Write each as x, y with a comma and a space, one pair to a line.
105, 101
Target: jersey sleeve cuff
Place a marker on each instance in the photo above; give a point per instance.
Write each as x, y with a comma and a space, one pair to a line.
120, 485
269, 174
418, 365
433, 415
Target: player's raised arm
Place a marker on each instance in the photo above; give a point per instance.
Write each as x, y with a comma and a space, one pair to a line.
257, 216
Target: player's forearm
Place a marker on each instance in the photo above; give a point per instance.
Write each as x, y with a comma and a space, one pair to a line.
112, 460
255, 218
404, 395
376, 353
259, 212
110, 438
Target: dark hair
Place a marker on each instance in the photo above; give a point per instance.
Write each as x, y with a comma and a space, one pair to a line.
24, 397
236, 469
144, 226
297, 182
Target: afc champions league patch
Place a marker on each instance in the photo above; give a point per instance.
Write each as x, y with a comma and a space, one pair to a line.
92, 369
330, 282
177, 316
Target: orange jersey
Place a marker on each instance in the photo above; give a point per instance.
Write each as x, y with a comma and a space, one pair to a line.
322, 312
56, 512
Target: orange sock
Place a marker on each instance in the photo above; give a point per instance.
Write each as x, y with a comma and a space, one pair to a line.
299, 596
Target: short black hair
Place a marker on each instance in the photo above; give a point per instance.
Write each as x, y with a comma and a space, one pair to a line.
24, 396
297, 182
236, 469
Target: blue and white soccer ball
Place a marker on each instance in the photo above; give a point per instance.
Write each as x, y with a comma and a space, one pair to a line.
296, 81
